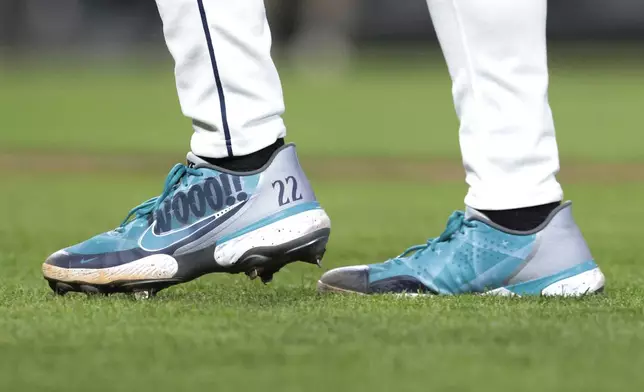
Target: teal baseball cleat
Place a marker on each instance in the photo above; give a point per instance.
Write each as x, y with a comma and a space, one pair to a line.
474, 255
207, 219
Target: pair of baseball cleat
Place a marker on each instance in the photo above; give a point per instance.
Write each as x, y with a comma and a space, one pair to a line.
209, 219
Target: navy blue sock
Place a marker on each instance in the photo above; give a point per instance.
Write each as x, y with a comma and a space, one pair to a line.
522, 219
249, 162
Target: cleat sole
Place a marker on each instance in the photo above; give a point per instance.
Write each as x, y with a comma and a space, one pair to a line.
261, 262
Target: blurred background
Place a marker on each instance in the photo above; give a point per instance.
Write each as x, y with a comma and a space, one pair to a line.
119, 25
85, 69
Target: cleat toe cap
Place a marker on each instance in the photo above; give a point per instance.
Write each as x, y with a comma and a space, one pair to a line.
58, 259
353, 279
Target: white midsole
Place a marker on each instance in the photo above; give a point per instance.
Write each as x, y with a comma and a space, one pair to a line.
151, 267
274, 234
587, 282
162, 266
584, 283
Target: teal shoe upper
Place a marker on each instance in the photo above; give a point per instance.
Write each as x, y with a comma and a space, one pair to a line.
192, 202
200, 206
469, 256
475, 255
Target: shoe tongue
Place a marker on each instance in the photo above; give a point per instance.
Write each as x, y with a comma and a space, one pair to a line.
471, 213
194, 160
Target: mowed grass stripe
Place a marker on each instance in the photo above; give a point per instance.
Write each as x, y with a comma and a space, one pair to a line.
398, 108
318, 167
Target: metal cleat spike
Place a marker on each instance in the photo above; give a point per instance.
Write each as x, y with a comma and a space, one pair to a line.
89, 290
61, 288
252, 274
142, 295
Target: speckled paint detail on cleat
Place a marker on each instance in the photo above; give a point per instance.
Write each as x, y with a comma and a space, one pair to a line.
153, 267
262, 262
207, 219
276, 233
580, 280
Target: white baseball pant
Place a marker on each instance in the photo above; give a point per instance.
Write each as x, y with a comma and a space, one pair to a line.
496, 54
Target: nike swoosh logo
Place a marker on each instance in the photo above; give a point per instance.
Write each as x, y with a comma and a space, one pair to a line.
152, 242
85, 261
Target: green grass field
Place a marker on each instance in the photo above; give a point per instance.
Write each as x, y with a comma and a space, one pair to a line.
226, 333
